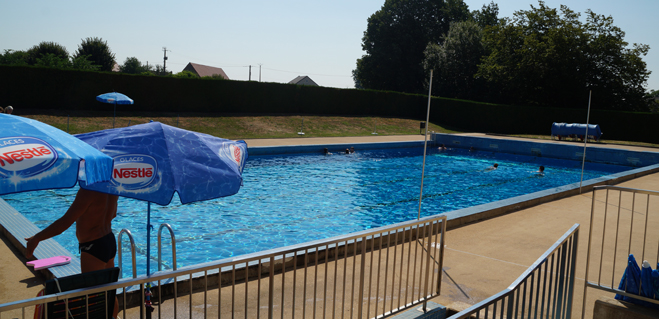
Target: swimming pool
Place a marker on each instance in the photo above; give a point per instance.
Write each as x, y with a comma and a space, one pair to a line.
297, 198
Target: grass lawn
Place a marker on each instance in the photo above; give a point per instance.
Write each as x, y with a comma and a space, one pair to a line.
236, 126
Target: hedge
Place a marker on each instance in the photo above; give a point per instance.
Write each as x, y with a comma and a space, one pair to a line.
46, 88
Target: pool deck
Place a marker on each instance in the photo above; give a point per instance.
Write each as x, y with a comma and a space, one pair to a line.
476, 267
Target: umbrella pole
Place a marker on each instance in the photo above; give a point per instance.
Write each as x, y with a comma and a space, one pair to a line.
115, 113
148, 238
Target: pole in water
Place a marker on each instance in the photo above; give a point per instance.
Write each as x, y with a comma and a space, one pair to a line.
585, 140
425, 145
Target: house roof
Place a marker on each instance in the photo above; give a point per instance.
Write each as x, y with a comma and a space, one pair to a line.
205, 70
299, 79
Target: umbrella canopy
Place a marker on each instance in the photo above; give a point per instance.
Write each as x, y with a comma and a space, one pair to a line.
36, 156
631, 279
154, 160
114, 98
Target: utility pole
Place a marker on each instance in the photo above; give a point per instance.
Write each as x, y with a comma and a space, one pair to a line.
164, 61
260, 71
250, 72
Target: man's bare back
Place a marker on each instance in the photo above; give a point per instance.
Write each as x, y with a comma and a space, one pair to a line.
93, 213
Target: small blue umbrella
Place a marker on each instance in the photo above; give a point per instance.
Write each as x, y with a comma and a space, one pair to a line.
631, 279
154, 160
37, 156
114, 98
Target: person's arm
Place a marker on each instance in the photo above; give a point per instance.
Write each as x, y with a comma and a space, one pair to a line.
79, 206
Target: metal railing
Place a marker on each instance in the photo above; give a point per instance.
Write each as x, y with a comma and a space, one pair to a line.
360, 275
171, 234
544, 290
132, 252
623, 221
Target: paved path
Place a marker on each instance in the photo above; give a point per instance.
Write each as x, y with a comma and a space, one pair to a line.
481, 259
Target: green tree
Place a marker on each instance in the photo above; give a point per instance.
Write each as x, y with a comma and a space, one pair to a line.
395, 39
42, 49
98, 51
133, 66
456, 60
545, 57
12, 57
51, 60
83, 63
653, 100
186, 75
488, 15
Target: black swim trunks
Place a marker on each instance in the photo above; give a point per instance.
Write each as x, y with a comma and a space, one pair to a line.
104, 248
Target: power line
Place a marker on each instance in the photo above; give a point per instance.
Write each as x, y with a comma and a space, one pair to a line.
219, 65
308, 73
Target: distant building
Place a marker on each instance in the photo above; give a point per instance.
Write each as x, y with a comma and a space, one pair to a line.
204, 70
303, 80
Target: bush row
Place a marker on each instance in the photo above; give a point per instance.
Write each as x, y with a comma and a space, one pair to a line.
46, 88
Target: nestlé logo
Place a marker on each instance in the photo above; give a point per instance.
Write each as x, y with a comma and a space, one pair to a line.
25, 156
134, 171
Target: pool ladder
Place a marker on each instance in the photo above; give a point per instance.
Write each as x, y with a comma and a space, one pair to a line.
132, 248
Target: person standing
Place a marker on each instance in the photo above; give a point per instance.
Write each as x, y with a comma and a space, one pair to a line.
93, 213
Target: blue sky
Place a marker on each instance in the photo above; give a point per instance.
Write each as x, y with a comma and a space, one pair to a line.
319, 38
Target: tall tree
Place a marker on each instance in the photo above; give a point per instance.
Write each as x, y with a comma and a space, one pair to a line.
98, 51
488, 15
545, 57
396, 37
44, 48
456, 61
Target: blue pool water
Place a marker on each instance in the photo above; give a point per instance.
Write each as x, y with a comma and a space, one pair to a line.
292, 199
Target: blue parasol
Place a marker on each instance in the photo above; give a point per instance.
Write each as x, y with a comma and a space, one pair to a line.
638, 282
154, 160
114, 98
37, 156
630, 279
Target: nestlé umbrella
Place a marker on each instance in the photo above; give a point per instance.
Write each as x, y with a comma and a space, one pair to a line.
154, 160
37, 156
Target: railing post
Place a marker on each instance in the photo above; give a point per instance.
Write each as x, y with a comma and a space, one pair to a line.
361, 279
429, 229
573, 266
561, 282
271, 288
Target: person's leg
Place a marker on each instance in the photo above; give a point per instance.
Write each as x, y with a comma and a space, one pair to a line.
90, 263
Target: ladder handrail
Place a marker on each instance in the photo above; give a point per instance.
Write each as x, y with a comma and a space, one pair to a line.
132, 250
171, 233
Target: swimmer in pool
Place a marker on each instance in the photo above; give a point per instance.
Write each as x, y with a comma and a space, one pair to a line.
541, 171
493, 167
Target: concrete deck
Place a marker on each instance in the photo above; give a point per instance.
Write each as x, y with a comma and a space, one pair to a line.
481, 258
